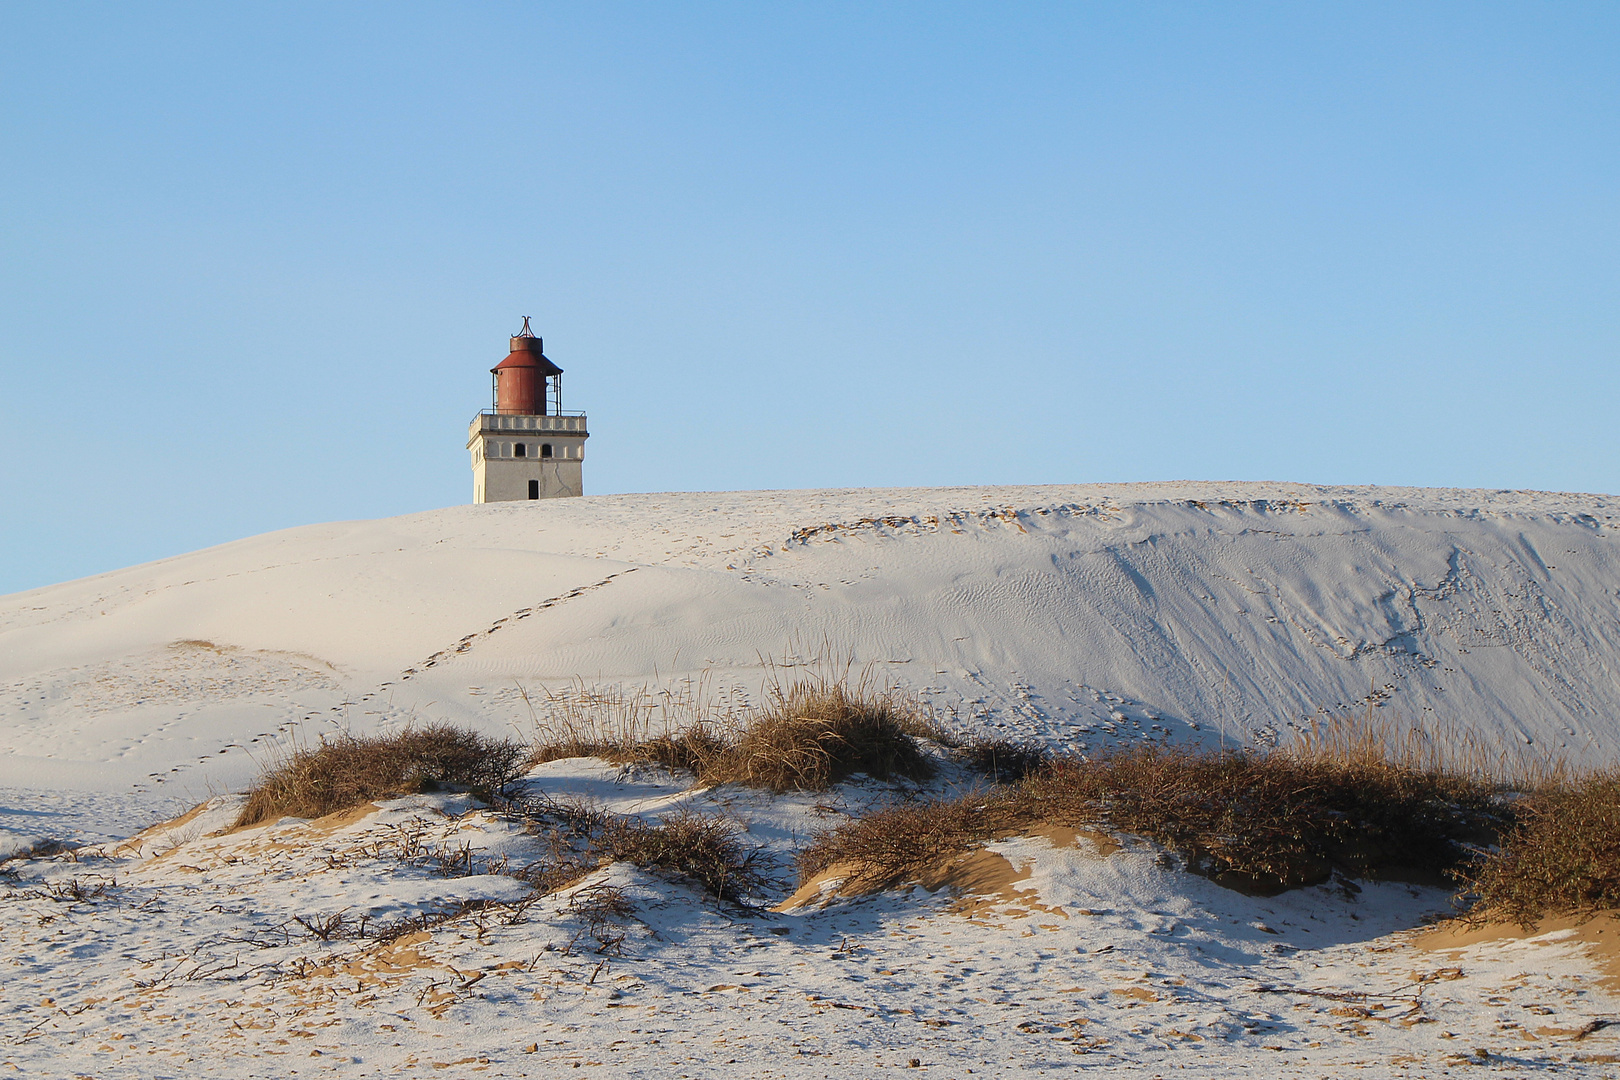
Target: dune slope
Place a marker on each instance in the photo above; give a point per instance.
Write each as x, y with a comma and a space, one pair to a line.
1074, 615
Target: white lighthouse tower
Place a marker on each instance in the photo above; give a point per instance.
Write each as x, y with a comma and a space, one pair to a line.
525, 446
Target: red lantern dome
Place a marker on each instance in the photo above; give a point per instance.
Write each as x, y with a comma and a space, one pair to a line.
521, 379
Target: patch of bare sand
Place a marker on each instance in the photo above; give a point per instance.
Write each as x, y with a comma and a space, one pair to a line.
321, 826
981, 879
133, 845
1599, 933
389, 962
295, 837
341, 819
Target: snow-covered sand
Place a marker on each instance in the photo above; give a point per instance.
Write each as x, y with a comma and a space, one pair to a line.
194, 958
1073, 615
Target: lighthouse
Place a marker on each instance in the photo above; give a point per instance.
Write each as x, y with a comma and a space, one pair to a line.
524, 446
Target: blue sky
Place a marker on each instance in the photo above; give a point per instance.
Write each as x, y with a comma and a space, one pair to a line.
257, 258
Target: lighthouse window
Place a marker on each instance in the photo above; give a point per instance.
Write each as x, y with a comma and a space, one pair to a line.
520, 449
545, 449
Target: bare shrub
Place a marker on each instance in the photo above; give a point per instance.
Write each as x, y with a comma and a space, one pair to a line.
1561, 857
350, 770
897, 843
706, 849
580, 838
1272, 818
565, 828
427, 921
330, 927
603, 908
601, 903
1258, 822
76, 891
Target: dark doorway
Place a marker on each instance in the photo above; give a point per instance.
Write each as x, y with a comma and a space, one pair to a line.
534, 489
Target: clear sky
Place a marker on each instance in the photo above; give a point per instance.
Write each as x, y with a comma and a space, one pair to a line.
257, 259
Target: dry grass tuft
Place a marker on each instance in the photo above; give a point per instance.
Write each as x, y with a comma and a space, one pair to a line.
43, 849
1257, 822
349, 770
1562, 856
810, 733
1001, 760
199, 643
817, 732
668, 728
1373, 740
